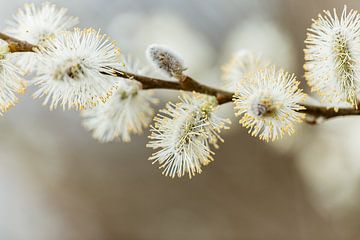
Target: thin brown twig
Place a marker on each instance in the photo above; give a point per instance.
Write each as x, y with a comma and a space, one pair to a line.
187, 83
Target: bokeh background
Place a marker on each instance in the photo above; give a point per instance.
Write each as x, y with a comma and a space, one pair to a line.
56, 182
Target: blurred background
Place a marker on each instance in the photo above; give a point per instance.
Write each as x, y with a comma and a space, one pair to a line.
56, 182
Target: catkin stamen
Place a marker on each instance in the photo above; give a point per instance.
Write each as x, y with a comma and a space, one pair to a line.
71, 68
344, 68
265, 107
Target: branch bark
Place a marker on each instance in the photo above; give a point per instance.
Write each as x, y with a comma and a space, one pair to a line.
16, 45
187, 83
324, 112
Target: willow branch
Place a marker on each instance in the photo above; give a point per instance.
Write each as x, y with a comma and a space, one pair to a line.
16, 45
187, 83
324, 112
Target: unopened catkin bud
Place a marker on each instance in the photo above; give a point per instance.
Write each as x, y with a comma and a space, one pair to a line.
166, 60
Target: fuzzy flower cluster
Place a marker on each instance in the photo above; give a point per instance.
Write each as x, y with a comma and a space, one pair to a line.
183, 133
242, 65
268, 103
36, 24
11, 81
332, 57
75, 69
126, 112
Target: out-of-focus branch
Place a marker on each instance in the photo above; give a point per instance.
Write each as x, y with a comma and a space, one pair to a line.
187, 83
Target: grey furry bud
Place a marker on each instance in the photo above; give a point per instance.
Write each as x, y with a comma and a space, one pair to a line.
166, 60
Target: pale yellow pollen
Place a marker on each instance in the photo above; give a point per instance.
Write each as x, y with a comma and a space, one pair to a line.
344, 69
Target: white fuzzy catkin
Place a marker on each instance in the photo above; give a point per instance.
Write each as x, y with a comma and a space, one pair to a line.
332, 57
36, 24
268, 103
242, 65
183, 133
165, 60
11, 81
75, 69
127, 111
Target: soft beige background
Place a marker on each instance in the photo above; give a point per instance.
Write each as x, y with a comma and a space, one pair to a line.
56, 182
